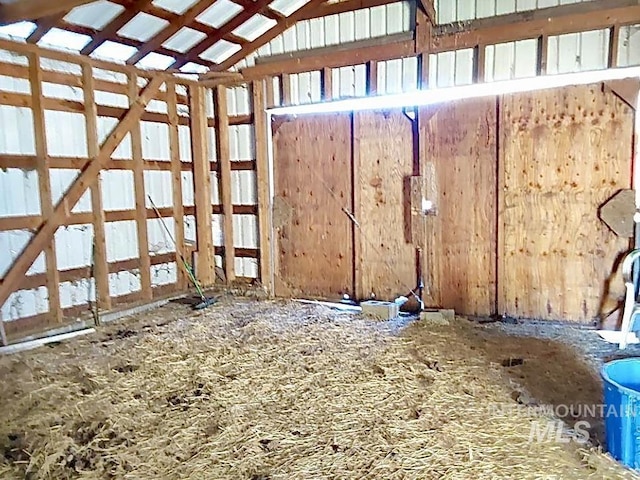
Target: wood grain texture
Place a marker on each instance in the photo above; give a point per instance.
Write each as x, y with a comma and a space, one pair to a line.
312, 168
565, 152
461, 173
387, 256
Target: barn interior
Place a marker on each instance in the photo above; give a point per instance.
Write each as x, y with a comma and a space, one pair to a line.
277, 239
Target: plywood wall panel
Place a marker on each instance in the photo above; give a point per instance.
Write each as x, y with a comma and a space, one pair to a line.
387, 259
564, 152
460, 139
312, 170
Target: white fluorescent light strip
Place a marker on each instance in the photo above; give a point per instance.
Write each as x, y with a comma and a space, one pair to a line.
441, 95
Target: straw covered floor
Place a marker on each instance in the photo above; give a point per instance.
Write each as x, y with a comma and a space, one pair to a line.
263, 390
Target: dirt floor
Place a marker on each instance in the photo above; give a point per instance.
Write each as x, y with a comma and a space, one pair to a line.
278, 390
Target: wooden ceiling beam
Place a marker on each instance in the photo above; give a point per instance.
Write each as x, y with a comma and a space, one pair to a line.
111, 29
34, 9
281, 26
183, 20
193, 55
345, 6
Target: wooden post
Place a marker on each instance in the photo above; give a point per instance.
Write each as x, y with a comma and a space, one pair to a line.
270, 97
101, 267
285, 89
543, 49
356, 208
141, 199
88, 174
614, 45
326, 80
176, 181
423, 71
205, 263
262, 181
372, 77
44, 183
224, 178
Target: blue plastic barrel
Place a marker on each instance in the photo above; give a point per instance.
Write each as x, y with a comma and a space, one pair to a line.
621, 410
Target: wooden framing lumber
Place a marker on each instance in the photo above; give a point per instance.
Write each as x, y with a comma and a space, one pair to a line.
101, 269
372, 77
176, 181
44, 182
16, 273
140, 196
285, 89
614, 45
205, 263
262, 181
224, 179
326, 82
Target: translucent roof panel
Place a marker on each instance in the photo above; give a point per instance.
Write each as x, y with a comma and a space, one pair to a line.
175, 6
220, 51
254, 27
63, 40
156, 61
287, 7
114, 51
94, 15
184, 40
193, 68
143, 27
219, 13
17, 30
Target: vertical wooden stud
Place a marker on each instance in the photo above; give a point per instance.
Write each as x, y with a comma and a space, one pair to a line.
356, 207
44, 184
285, 89
326, 77
262, 181
478, 65
101, 267
372, 77
176, 181
543, 51
614, 46
141, 200
423, 71
269, 93
224, 177
205, 263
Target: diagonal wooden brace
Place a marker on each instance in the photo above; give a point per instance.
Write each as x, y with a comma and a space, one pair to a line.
87, 177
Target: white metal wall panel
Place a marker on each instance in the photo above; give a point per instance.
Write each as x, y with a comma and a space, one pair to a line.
66, 134
349, 81
157, 184
575, 52
105, 126
629, 46
65, 92
78, 292
13, 58
506, 61
25, 303
155, 141
396, 76
19, 192
212, 150
238, 102
123, 283
187, 189
216, 228
450, 11
448, 69
17, 85
122, 240
184, 143
12, 242
246, 267
73, 246
340, 28
111, 99
16, 134
243, 187
117, 190
61, 179
164, 274
215, 188
241, 142
306, 87
159, 241
60, 66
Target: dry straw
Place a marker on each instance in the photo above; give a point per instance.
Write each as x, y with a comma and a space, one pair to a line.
264, 390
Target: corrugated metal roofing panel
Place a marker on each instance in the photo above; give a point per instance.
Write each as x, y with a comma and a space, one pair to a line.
175, 6
62, 40
155, 61
142, 27
287, 7
219, 13
184, 40
17, 31
220, 51
94, 15
254, 27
